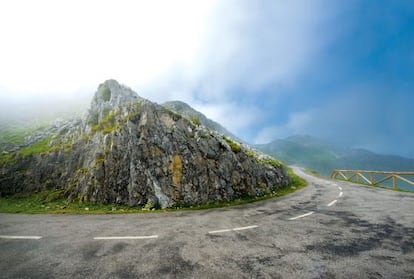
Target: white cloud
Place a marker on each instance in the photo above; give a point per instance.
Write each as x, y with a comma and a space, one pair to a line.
253, 44
247, 47
344, 118
297, 123
55, 46
207, 47
232, 116
215, 55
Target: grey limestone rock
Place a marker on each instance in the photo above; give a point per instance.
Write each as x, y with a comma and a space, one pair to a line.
129, 150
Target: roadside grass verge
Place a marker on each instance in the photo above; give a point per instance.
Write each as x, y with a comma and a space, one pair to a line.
34, 205
51, 202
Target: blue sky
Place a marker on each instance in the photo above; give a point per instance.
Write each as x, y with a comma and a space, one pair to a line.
339, 70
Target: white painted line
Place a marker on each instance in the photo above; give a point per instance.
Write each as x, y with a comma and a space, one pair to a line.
340, 188
245, 228
332, 202
301, 216
234, 229
340, 194
125, 237
220, 231
20, 237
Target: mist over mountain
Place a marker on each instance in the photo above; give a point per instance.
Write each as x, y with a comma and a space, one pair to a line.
35, 111
324, 156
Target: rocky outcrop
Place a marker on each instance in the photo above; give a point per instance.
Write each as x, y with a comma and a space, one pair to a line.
129, 150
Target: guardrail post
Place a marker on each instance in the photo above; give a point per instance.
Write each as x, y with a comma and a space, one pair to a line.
394, 182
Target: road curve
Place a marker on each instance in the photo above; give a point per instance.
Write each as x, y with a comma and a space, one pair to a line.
329, 229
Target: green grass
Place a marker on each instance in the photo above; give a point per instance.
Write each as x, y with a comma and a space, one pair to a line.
273, 162
107, 124
51, 201
17, 135
235, 147
7, 157
297, 181
41, 146
196, 121
13, 136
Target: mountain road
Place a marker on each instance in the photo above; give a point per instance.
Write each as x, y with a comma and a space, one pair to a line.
330, 229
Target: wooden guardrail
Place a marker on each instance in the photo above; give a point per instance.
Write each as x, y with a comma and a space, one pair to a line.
375, 177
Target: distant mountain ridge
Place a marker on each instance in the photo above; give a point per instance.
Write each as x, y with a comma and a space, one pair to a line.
323, 156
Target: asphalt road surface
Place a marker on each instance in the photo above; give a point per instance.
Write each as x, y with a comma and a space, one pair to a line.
330, 229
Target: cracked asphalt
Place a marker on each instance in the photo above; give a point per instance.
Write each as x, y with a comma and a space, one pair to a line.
367, 233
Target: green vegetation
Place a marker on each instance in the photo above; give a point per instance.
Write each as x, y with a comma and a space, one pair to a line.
196, 121
36, 204
7, 157
273, 162
235, 147
324, 157
17, 135
107, 123
296, 181
41, 146
14, 136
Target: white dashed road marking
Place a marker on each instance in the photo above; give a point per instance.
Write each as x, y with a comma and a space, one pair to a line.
20, 237
301, 216
220, 231
245, 228
332, 203
234, 229
340, 188
125, 237
340, 194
